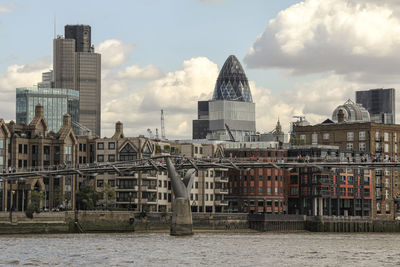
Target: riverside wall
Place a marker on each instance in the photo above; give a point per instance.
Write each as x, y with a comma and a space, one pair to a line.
124, 221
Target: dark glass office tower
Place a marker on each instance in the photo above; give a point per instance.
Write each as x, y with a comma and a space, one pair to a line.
380, 104
82, 36
78, 67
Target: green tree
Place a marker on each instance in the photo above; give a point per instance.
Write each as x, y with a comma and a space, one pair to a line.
34, 206
87, 198
108, 193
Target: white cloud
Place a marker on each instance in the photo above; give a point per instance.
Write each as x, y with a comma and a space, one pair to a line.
177, 93
19, 76
4, 9
135, 72
344, 36
114, 53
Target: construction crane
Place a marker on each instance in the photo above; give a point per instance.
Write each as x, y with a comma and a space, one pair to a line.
230, 133
162, 126
83, 130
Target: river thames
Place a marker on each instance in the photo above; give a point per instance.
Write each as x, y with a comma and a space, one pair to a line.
216, 249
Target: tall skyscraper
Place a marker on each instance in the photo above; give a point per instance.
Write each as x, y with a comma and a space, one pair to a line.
231, 110
82, 36
380, 103
56, 103
77, 66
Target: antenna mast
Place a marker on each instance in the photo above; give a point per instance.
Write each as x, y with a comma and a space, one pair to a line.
162, 125
55, 25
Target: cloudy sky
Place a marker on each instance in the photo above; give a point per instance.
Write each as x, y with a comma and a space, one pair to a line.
302, 57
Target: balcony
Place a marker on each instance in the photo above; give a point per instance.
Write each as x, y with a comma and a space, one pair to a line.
221, 202
221, 190
221, 179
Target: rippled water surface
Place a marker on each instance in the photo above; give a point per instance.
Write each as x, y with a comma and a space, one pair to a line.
217, 249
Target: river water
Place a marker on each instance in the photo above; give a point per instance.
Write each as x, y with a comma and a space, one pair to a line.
215, 249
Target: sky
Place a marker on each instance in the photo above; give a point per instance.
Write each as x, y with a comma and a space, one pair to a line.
301, 57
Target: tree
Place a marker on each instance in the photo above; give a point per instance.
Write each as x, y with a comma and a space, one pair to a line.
34, 206
108, 193
87, 198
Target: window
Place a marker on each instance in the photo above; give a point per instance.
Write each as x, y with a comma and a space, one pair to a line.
196, 150
111, 145
386, 194
25, 149
260, 189
361, 135
350, 192
206, 185
276, 190
100, 183
314, 138
377, 136
387, 183
251, 189
20, 148
326, 136
269, 190
350, 136
366, 180
68, 154
303, 138
349, 146
386, 148
362, 147
342, 191
196, 185
111, 158
387, 208
386, 137
366, 192
100, 146
127, 153
294, 191
100, 158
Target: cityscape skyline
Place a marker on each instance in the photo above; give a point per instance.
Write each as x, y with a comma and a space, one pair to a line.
290, 82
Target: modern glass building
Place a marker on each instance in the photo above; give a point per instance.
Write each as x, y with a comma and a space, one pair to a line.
56, 102
380, 103
77, 66
231, 110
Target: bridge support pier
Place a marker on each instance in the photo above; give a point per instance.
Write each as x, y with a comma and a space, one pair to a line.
181, 223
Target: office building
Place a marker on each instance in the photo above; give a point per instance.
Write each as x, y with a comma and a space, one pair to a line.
231, 112
380, 103
78, 67
56, 103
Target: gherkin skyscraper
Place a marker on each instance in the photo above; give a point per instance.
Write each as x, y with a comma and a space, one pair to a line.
230, 114
232, 83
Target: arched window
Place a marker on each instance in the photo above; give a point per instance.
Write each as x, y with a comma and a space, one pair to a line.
127, 153
146, 152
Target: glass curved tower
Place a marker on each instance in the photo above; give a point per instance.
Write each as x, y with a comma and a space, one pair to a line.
231, 112
232, 83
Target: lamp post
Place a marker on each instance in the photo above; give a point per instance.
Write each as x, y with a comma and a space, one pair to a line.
23, 193
130, 201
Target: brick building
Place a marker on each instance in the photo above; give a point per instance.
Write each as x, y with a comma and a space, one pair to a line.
378, 142
258, 189
328, 191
